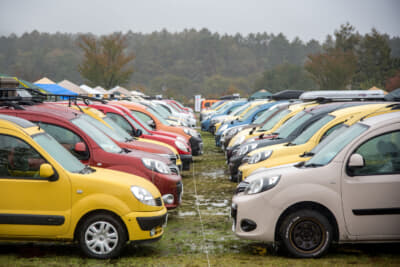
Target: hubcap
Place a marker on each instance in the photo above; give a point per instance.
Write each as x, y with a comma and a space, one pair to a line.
101, 237
307, 235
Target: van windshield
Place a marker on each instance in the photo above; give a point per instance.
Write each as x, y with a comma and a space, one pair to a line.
59, 153
343, 137
274, 120
293, 123
98, 136
158, 116
104, 128
310, 131
264, 115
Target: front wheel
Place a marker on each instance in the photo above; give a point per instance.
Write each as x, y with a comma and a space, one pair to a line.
102, 236
306, 234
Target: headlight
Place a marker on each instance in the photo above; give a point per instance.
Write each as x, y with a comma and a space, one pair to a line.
262, 184
223, 128
245, 149
143, 195
190, 132
260, 156
233, 131
239, 140
180, 138
181, 146
156, 165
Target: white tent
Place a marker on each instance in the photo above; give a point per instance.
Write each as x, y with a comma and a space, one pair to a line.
91, 91
72, 87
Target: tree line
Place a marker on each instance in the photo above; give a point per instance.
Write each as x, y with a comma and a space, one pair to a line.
190, 62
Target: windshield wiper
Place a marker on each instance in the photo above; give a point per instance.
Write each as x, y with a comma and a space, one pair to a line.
129, 139
291, 144
313, 165
307, 154
86, 170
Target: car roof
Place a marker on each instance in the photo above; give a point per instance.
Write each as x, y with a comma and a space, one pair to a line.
17, 121
393, 117
356, 109
53, 109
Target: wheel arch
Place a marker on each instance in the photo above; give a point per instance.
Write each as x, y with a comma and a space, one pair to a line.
95, 212
312, 206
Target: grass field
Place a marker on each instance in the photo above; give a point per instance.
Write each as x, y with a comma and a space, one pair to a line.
189, 241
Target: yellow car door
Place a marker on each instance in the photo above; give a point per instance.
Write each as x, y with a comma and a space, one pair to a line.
29, 204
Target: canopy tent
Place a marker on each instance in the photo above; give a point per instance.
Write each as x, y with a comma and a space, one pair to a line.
100, 89
91, 91
44, 80
261, 94
72, 87
55, 89
118, 90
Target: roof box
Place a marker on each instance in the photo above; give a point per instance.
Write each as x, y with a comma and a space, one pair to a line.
287, 94
393, 96
339, 95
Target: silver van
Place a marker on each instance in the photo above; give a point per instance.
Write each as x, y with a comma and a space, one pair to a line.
349, 191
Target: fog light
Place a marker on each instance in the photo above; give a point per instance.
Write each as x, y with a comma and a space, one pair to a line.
168, 198
152, 231
248, 225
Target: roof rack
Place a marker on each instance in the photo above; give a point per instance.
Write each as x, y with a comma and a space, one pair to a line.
341, 95
15, 97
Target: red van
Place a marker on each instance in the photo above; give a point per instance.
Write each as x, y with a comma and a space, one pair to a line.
93, 147
132, 126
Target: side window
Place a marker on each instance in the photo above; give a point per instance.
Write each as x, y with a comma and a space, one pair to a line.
333, 128
381, 155
18, 159
66, 138
120, 121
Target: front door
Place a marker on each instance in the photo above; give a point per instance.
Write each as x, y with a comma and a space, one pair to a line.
371, 194
29, 204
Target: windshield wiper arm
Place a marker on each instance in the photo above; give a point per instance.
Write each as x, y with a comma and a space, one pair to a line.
86, 169
290, 144
307, 154
313, 165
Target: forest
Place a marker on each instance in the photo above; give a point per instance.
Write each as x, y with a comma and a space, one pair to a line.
182, 64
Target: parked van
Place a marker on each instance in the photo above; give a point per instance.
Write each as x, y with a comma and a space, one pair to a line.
48, 194
347, 192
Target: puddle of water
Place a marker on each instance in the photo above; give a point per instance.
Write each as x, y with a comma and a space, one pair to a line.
187, 213
214, 174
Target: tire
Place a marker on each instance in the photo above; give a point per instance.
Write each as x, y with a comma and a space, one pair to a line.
305, 234
100, 230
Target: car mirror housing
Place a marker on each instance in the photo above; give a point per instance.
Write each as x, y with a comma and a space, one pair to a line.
356, 161
47, 171
138, 133
80, 147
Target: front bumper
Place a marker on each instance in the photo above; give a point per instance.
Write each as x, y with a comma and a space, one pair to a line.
254, 208
196, 143
135, 230
234, 164
186, 161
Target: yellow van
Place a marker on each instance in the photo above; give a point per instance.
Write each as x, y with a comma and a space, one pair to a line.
271, 125
287, 153
48, 194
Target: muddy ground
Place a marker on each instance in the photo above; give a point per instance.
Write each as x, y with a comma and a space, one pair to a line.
198, 234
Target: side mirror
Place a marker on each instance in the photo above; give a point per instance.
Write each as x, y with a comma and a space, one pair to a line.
80, 147
138, 132
151, 123
46, 171
356, 161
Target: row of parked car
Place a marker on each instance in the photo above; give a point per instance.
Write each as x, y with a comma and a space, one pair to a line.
99, 173
314, 169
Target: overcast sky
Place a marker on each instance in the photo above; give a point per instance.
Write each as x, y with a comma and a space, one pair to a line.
308, 19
